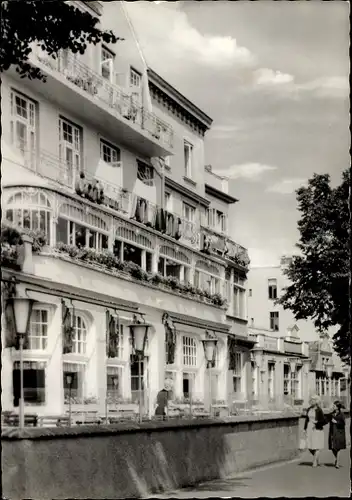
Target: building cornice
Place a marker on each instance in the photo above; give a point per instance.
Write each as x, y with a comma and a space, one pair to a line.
186, 192
219, 194
178, 103
183, 319
43, 285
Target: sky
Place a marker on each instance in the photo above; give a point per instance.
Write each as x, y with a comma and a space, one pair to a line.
274, 77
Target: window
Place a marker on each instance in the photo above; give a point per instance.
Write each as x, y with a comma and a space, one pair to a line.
239, 302
189, 349
109, 154
237, 374
23, 126
216, 220
135, 78
107, 64
145, 173
79, 339
73, 233
70, 149
250, 292
168, 202
33, 382
274, 321
136, 379
74, 389
38, 330
188, 153
188, 212
188, 380
206, 282
31, 211
113, 383
272, 288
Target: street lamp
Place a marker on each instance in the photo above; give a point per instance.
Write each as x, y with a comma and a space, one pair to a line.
139, 336
329, 367
69, 380
22, 310
209, 345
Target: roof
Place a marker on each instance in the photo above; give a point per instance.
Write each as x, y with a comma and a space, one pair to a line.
178, 98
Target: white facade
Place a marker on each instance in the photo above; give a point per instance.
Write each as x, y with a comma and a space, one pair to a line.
102, 116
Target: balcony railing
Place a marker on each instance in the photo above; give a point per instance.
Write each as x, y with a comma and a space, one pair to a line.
270, 343
292, 347
122, 104
220, 244
112, 195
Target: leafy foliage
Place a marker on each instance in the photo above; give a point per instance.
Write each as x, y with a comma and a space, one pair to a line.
320, 275
51, 25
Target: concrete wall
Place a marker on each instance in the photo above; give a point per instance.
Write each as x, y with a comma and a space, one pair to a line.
132, 461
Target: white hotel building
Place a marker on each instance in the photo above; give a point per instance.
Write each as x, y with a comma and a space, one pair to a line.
142, 232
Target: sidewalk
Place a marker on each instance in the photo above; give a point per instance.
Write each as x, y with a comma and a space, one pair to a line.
293, 479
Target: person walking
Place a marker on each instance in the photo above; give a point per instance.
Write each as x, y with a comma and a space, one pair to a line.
337, 431
314, 428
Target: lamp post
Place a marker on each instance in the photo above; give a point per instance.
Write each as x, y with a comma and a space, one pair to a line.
329, 367
139, 335
22, 310
209, 345
69, 383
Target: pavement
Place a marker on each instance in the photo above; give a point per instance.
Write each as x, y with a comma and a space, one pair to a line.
294, 479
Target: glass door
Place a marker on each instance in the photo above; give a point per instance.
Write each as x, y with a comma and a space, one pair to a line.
70, 152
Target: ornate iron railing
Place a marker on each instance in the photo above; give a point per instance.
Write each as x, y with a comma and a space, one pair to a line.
122, 104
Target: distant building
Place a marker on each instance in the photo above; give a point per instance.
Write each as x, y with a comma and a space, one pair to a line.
275, 327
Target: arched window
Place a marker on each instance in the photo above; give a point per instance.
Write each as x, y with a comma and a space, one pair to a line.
31, 210
81, 228
80, 331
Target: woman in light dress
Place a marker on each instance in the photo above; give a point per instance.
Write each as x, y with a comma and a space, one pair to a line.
314, 429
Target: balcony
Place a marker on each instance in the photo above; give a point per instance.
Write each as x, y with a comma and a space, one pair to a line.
110, 221
266, 342
220, 245
293, 347
75, 86
218, 182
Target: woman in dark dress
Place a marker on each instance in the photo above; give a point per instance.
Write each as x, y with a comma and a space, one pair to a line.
337, 431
